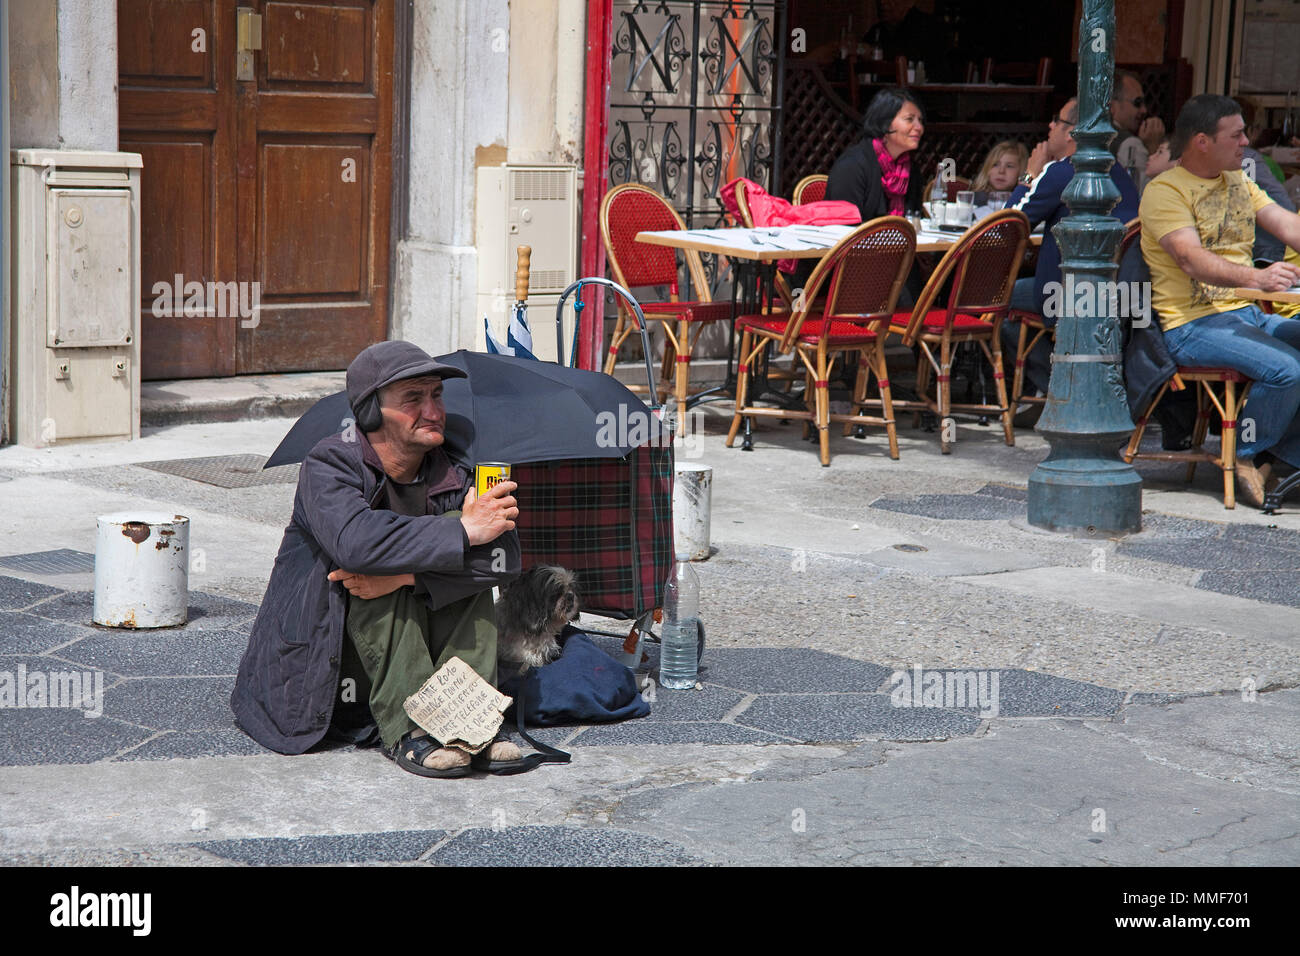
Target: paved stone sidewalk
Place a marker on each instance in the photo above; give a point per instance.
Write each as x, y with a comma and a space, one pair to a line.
166, 691
827, 723
1147, 703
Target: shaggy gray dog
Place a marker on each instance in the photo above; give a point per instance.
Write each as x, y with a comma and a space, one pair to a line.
531, 612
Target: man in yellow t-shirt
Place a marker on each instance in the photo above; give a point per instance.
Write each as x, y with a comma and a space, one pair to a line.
1198, 228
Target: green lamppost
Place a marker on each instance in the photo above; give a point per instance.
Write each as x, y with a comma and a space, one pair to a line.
1084, 485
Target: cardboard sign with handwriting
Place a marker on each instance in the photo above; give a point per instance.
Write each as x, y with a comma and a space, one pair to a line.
458, 707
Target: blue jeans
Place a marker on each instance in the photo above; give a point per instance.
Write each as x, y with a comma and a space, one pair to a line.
1264, 347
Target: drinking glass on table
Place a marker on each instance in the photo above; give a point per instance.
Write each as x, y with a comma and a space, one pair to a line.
938, 212
965, 207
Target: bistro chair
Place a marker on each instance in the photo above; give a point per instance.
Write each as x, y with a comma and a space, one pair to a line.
810, 189
982, 266
1227, 402
864, 273
1033, 329
625, 211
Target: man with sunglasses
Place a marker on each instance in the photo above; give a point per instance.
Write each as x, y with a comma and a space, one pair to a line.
1138, 135
1040, 196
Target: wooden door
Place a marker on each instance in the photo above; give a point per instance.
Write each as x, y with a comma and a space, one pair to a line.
279, 183
176, 108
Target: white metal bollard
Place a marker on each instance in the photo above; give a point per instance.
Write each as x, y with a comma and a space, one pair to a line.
142, 565
692, 499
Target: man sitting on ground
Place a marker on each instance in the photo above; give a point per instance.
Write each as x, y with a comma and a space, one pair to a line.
1040, 196
382, 577
1198, 227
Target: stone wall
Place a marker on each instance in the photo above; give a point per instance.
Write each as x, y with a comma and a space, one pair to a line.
491, 82
63, 74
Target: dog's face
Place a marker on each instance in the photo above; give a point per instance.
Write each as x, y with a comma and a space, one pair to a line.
541, 601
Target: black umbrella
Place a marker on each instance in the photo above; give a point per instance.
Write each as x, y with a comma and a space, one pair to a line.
512, 410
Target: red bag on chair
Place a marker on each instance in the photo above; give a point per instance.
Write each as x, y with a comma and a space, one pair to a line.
772, 211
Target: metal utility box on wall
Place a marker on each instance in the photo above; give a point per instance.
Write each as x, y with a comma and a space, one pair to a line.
533, 206
75, 295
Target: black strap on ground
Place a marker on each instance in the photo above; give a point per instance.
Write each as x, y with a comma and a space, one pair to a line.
545, 753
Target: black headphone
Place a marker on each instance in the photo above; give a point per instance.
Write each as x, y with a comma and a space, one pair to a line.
368, 415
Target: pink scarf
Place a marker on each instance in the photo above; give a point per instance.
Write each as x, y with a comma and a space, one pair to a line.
895, 174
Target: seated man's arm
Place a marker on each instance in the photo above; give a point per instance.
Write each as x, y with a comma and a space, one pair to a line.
1184, 247
493, 557
492, 562
1043, 198
487, 565
371, 542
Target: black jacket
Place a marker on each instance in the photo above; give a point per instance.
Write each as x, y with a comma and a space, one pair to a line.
1148, 365
856, 177
289, 676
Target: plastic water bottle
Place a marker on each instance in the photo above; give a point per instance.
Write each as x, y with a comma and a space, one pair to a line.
679, 656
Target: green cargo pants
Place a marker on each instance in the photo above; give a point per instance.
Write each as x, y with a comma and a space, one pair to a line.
399, 643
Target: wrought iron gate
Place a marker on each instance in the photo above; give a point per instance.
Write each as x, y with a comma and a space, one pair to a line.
696, 98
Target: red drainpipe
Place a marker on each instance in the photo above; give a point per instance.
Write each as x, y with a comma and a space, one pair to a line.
595, 171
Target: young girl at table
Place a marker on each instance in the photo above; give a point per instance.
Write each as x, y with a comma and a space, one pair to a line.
1003, 167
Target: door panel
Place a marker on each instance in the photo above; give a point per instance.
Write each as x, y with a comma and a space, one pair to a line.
157, 46
313, 224
318, 147
329, 44
174, 110
282, 180
181, 215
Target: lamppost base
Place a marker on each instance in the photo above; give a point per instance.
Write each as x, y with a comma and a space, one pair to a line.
1086, 495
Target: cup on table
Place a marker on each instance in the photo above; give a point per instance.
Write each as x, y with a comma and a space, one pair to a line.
938, 211
965, 207
998, 199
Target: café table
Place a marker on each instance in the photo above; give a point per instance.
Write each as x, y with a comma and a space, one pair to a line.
750, 249
761, 248
787, 242
1273, 499
1259, 295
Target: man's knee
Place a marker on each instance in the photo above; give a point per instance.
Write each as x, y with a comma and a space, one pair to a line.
1281, 372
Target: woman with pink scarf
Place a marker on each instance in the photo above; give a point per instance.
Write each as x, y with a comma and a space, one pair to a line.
876, 173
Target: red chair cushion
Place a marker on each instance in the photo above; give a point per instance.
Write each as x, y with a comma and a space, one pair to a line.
767, 323
934, 320
842, 332
691, 311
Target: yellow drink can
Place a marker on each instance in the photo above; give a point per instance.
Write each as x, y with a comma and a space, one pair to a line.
488, 473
